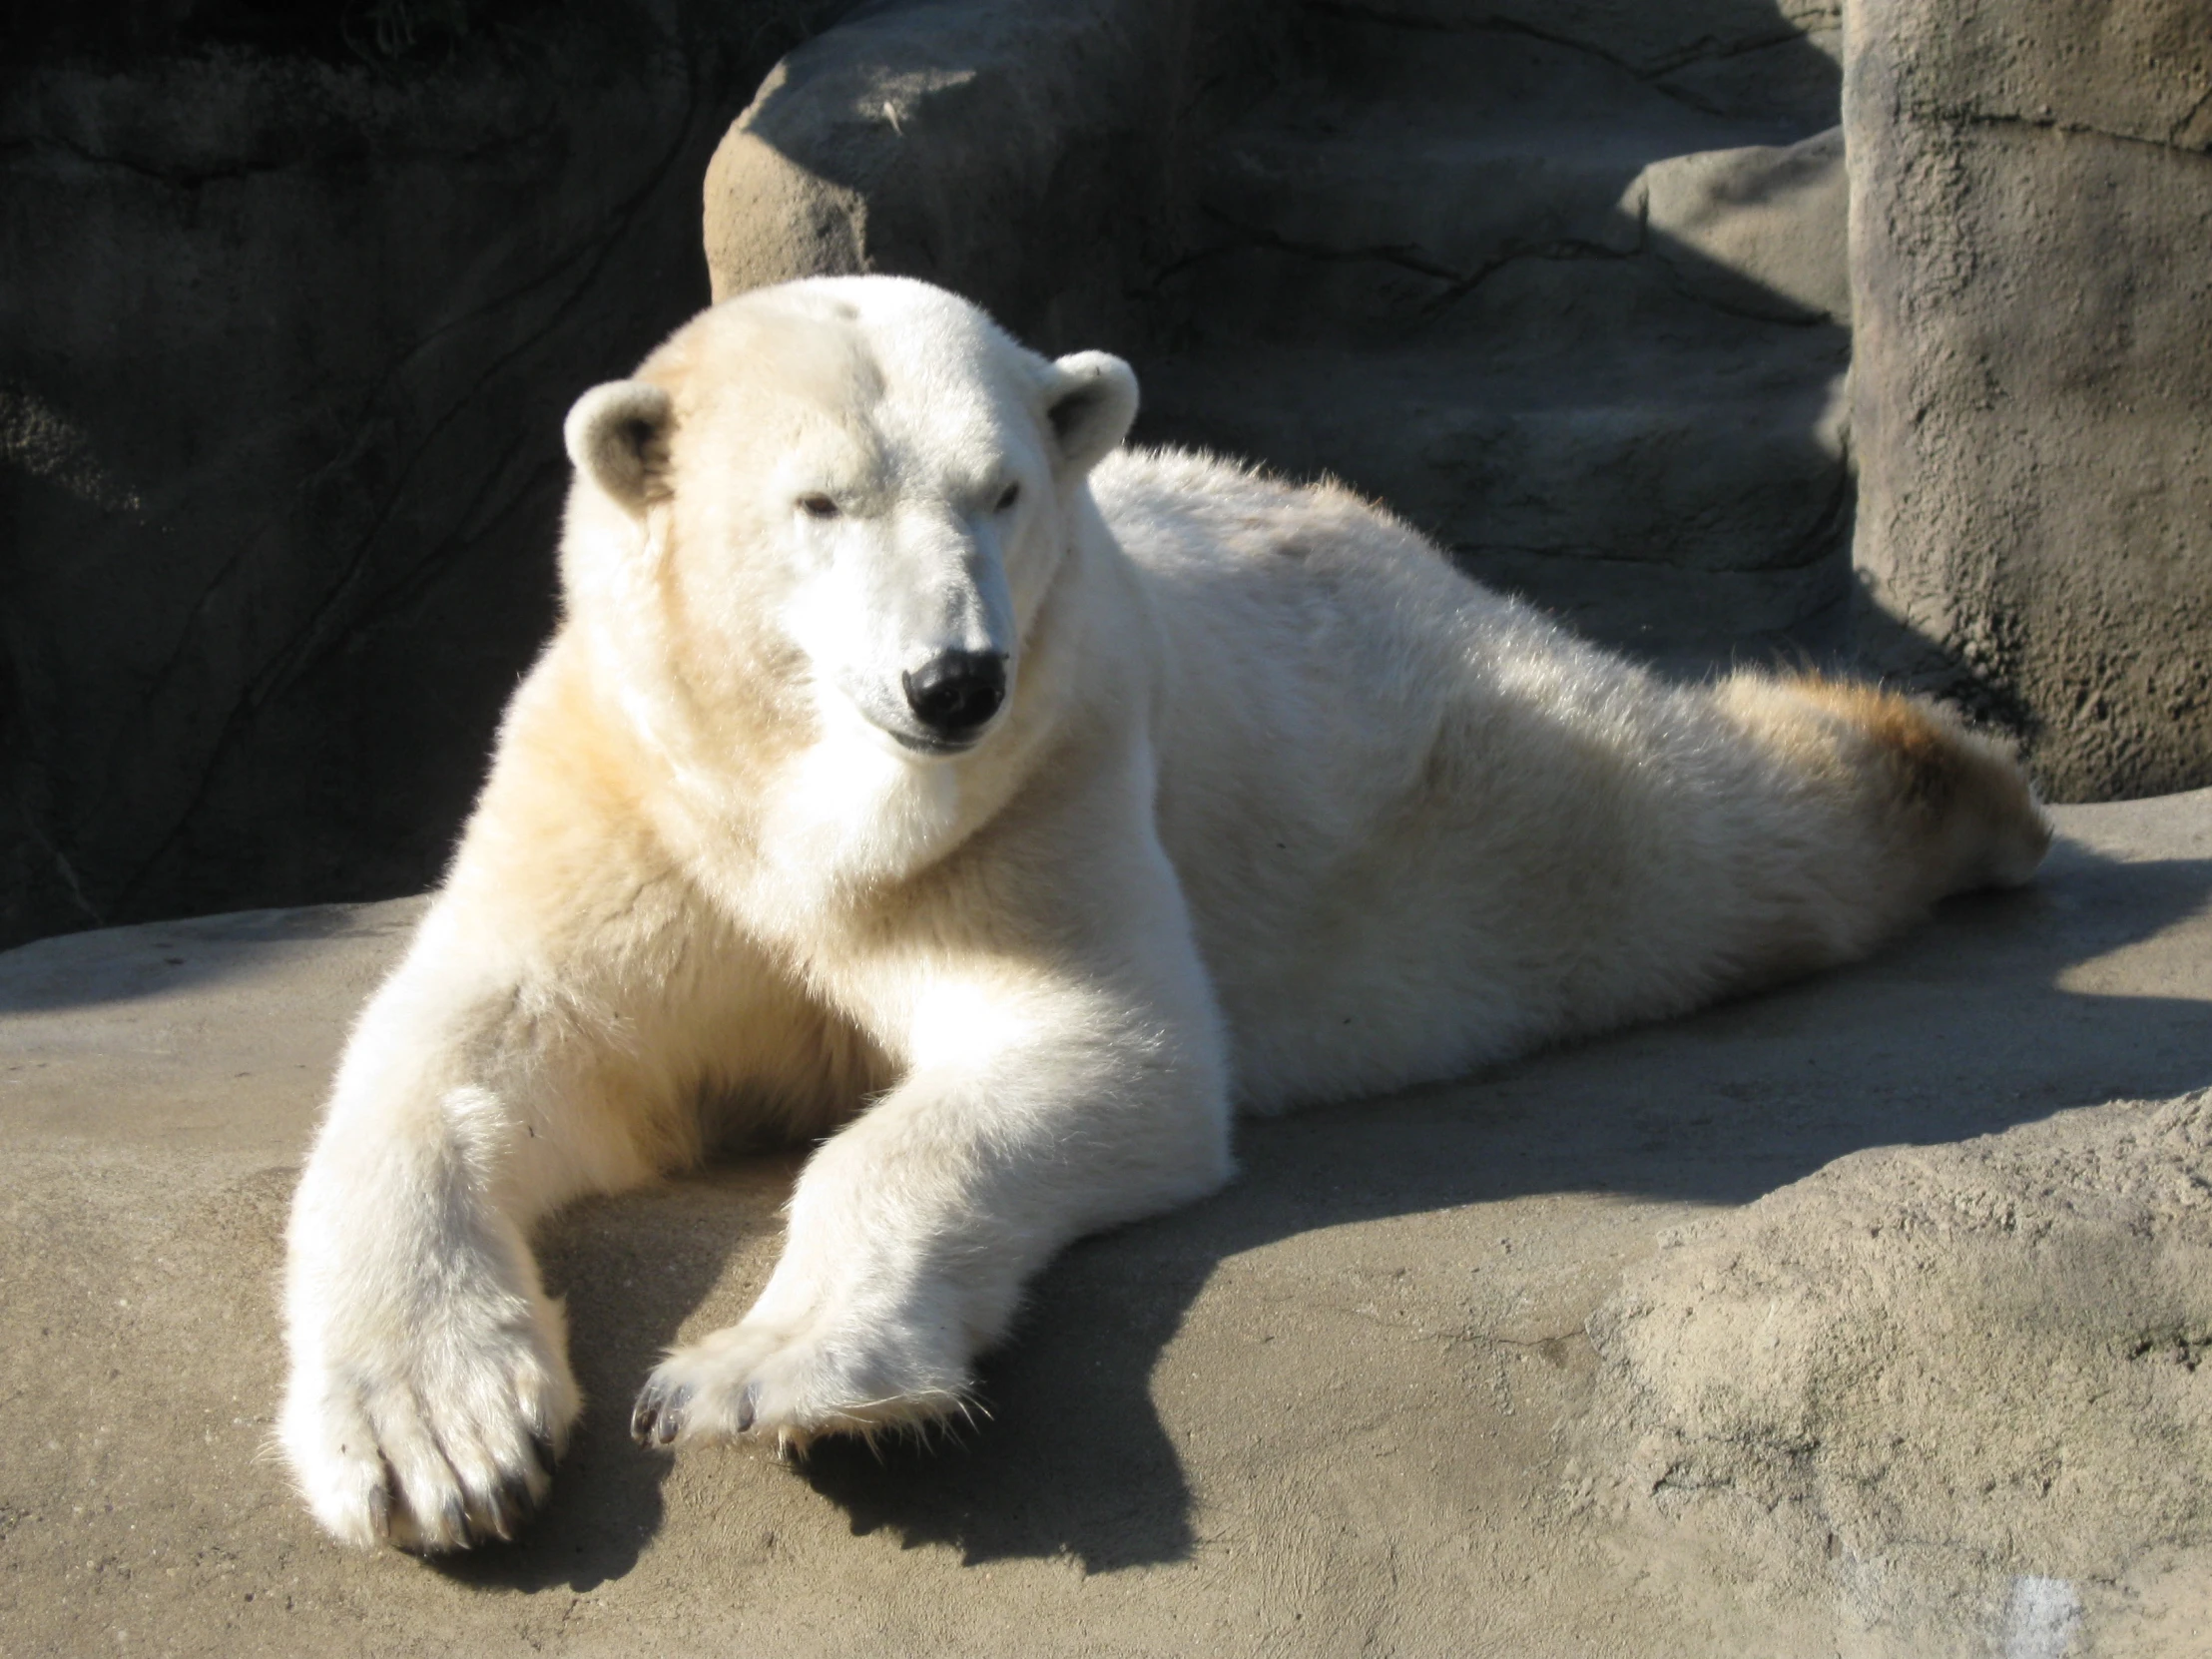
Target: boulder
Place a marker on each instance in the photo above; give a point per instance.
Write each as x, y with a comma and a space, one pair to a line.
1029, 156
1761, 230
2031, 204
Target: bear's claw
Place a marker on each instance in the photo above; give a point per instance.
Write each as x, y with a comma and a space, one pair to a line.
518, 1499
464, 1523
379, 1509
657, 1417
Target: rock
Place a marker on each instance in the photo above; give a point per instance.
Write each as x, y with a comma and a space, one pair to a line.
1798, 75
1586, 332
1582, 323
1026, 156
1650, 40
286, 342
1935, 1381
1352, 1403
2033, 197
1761, 230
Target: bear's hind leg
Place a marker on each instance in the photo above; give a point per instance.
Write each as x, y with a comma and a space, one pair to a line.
1951, 809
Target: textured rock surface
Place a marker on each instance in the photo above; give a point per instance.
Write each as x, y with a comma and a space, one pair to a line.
1759, 230
1684, 42
1932, 1375
1029, 156
2032, 186
1524, 295
1565, 287
284, 347
1357, 1402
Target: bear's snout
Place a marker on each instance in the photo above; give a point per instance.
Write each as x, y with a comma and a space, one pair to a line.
956, 694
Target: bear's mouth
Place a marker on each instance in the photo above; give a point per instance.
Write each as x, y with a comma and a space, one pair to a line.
940, 746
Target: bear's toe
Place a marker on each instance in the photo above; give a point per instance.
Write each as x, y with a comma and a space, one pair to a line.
657, 1417
750, 1382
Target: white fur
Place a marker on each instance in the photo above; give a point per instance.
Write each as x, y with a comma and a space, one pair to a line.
1276, 796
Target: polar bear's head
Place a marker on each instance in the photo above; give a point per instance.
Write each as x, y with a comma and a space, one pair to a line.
859, 478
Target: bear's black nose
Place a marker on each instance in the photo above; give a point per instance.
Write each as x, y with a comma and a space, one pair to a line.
957, 693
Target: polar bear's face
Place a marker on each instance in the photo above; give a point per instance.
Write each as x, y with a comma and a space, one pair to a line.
864, 474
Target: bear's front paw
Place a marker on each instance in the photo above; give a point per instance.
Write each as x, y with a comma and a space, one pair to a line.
828, 1378
434, 1439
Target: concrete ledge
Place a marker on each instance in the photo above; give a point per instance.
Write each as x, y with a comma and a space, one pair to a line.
1429, 1378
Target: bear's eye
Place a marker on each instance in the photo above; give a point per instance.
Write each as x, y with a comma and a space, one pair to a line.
818, 506
1010, 496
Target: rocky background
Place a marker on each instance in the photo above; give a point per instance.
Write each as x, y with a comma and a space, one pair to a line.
1724, 329
2032, 256
293, 299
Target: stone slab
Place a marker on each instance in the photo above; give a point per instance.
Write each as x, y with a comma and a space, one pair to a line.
1405, 1388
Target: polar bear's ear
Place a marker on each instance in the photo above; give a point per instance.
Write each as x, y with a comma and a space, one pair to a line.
618, 437
1090, 402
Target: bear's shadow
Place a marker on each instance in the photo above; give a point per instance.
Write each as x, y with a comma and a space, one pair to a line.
1961, 1028
630, 1269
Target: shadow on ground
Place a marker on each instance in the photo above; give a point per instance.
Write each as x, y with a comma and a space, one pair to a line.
630, 1269
1994, 1014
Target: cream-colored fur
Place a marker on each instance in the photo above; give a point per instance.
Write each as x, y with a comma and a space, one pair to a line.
1278, 808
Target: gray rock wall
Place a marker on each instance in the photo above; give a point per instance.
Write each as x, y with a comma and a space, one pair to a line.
1562, 285
284, 343
284, 347
1588, 331
2031, 257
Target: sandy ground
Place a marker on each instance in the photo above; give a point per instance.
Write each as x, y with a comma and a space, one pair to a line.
1604, 1353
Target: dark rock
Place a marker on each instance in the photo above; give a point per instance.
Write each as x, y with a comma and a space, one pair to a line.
1563, 286
286, 340
1647, 37
1587, 332
1030, 157
2033, 187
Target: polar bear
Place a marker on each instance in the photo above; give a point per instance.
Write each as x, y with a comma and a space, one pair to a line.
917, 770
